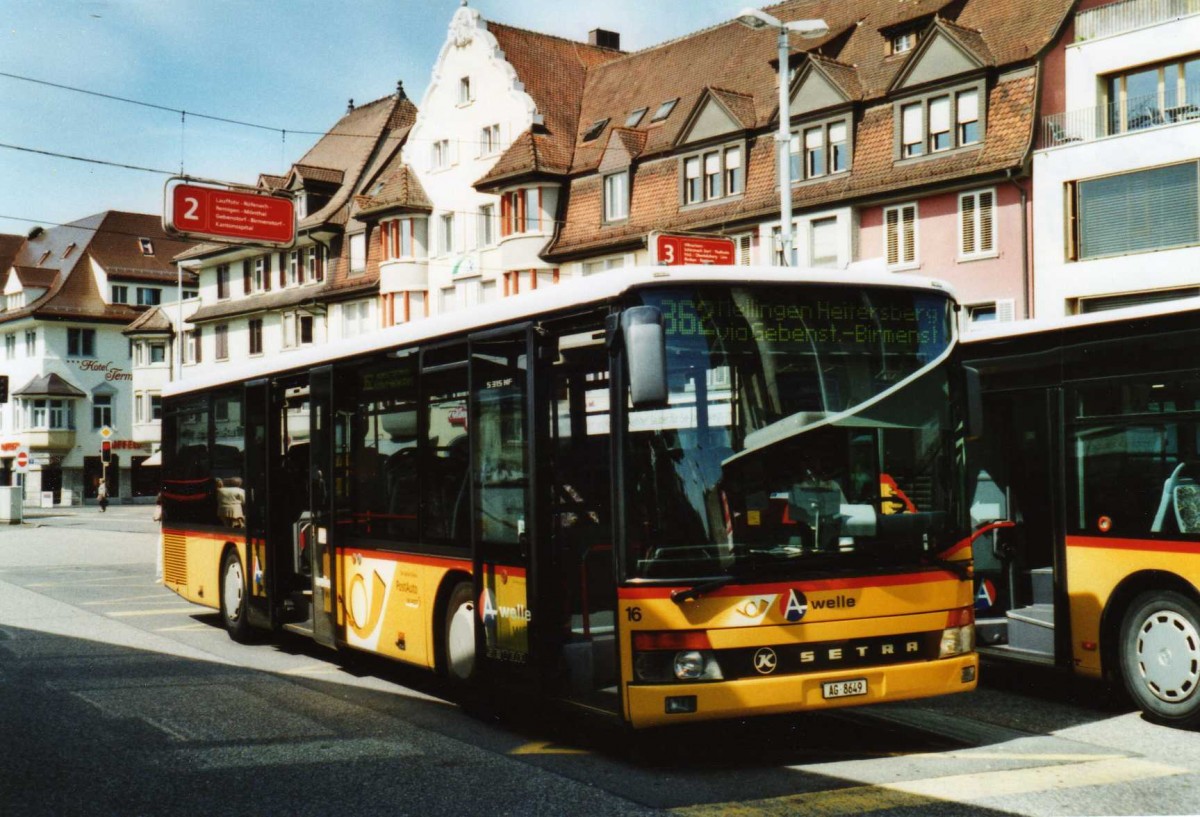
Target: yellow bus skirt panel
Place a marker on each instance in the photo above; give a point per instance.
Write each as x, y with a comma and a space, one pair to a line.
388, 599
192, 565
1097, 565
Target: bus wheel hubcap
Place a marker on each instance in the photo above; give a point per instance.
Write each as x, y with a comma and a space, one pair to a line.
1168, 654
233, 591
460, 642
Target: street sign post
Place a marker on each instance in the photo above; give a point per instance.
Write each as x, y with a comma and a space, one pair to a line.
669, 250
237, 216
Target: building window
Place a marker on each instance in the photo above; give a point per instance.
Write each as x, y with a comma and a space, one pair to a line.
594, 130
297, 329
193, 345
222, 281
713, 174
221, 334
521, 211
822, 242
487, 225
156, 407
904, 42
81, 342
900, 236
10, 346
976, 218
446, 244
158, 353
489, 140
314, 264
820, 150
939, 122
464, 91
15, 300
293, 268
1154, 95
440, 154
527, 280
48, 414
358, 252
30, 343
151, 296
1154, 209
254, 331
146, 246
261, 274
102, 411
664, 110
120, 294
603, 264
616, 196
356, 319
635, 117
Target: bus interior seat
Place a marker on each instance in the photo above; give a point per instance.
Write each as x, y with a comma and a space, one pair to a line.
1187, 507
1170, 497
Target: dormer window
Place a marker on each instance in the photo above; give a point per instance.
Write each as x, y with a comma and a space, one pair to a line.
635, 117
712, 174
903, 42
44, 257
939, 121
820, 149
146, 246
70, 249
594, 130
664, 110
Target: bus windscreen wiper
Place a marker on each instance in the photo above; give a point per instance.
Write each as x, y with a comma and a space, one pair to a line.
696, 591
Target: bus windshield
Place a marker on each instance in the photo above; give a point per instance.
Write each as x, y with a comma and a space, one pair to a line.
807, 428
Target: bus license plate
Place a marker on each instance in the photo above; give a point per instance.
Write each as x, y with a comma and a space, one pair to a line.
844, 689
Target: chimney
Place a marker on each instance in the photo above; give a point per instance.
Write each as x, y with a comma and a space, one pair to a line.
350, 106
604, 39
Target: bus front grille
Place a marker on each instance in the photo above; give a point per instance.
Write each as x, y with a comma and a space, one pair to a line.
174, 558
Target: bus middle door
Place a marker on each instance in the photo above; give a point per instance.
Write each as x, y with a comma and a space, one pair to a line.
503, 528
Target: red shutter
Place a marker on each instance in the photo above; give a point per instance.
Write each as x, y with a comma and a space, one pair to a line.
282, 270
267, 272
246, 272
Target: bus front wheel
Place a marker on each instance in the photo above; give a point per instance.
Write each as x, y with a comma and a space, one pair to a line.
1160, 657
459, 634
233, 598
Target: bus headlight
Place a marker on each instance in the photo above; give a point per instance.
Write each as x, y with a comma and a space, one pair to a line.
959, 636
666, 657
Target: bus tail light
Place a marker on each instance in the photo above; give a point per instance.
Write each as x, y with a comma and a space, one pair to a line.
958, 637
665, 657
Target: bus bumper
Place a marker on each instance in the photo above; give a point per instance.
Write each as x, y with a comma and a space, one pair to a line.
665, 704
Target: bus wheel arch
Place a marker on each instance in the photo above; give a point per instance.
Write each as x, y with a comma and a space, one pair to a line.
1152, 643
234, 590
455, 620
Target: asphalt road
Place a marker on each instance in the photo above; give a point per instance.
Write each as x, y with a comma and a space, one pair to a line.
117, 697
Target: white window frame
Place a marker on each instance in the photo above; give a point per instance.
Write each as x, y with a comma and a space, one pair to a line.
902, 262
616, 196
974, 209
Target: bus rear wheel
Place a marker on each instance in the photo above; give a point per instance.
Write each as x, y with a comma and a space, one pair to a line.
459, 634
1160, 657
233, 598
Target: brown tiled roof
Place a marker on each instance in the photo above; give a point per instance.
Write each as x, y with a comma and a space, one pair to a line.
397, 189
268, 181
49, 385
553, 71
9, 246
738, 60
151, 322
112, 240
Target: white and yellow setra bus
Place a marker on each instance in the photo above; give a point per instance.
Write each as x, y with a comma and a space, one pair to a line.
663, 494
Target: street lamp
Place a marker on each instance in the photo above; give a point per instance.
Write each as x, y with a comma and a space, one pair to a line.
809, 30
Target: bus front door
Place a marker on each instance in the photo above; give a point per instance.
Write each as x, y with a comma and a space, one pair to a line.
260, 580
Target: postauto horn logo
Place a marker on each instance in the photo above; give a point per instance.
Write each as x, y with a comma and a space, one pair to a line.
794, 605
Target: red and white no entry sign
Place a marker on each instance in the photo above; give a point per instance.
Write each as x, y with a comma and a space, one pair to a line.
22, 460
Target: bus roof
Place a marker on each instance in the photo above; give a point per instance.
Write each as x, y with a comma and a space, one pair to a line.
577, 292
990, 331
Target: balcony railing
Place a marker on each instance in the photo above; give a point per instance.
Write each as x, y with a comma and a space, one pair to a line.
1129, 15
1115, 118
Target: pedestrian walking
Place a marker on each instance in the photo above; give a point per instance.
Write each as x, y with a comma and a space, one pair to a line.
102, 495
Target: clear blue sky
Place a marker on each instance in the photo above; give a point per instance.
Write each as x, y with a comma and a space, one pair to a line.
291, 65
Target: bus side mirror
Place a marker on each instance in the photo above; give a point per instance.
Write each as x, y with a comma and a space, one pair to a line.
646, 355
973, 394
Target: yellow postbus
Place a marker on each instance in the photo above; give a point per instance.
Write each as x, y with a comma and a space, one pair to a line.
1092, 446
664, 494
